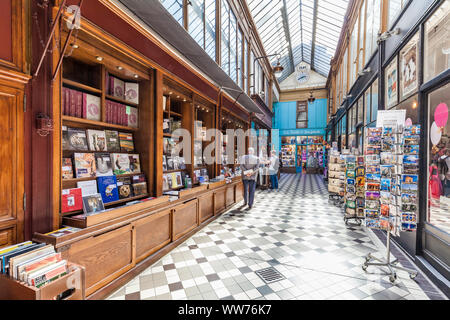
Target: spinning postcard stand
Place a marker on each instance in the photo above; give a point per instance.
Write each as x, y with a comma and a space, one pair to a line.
391, 157
336, 174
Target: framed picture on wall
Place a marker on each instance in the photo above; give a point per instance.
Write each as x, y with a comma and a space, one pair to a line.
409, 68
391, 83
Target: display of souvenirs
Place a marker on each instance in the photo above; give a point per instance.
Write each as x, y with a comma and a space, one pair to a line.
336, 169
350, 189
103, 164
85, 165
372, 152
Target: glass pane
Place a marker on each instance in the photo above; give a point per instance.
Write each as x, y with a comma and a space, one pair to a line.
225, 37
369, 30
362, 22
210, 34
412, 109
439, 159
437, 42
374, 112
175, 8
395, 7
239, 53
367, 107
246, 66
360, 110
196, 23
233, 47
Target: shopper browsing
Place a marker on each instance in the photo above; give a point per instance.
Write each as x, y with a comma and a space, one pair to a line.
250, 165
274, 163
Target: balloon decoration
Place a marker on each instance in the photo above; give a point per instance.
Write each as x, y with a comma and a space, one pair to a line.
435, 134
408, 122
441, 115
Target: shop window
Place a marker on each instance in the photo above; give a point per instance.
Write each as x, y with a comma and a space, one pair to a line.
395, 8
246, 67
368, 106
225, 47
302, 114
353, 56
196, 21
360, 110
412, 109
233, 47
439, 158
437, 42
240, 67
210, 28
175, 8
362, 26
373, 26
344, 74
374, 101
409, 68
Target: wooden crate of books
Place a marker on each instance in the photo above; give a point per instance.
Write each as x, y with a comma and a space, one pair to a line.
69, 287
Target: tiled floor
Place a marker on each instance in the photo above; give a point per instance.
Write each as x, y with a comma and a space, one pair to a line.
294, 230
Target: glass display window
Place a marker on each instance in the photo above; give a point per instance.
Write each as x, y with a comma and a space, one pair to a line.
437, 42
409, 68
412, 109
288, 140
360, 110
439, 159
391, 83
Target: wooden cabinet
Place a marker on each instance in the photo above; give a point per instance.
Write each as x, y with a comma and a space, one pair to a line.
104, 257
206, 206
12, 172
219, 200
152, 233
229, 196
239, 192
184, 219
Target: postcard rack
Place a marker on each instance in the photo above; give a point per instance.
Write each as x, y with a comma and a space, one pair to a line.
335, 184
391, 181
69, 287
353, 185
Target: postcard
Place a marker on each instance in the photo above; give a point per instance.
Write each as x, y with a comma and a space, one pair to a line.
409, 207
410, 178
370, 195
409, 198
351, 204
360, 172
373, 223
385, 184
411, 160
409, 187
406, 226
372, 214
409, 217
372, 204
411, 150
384, 210
385, 224
373, 177
386, 158
373, 170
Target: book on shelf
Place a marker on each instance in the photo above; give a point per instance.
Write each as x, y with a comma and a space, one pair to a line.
164, 103
103, 164
5, 259
174, 125
62, 232
47, 274
107, 187
166, 126
42, 261
126, 142
132, 92
87, 187
112, 141
124, 186
67, 168
14, 247
121, 163
93, 204
131, 117
91, 107
176, 163
139, 178
77, 139
140, 189
97, 140
135, 164
71, 200
165, 184
170, 163
117, 87
16, 262
164, 163
65, 138
85, 165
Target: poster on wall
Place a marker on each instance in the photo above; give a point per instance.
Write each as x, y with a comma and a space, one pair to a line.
409, 70
392, 84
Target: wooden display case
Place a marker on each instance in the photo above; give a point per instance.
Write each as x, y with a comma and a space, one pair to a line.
70, 287
229, 120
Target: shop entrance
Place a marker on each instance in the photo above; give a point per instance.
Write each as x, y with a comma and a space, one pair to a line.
302, 154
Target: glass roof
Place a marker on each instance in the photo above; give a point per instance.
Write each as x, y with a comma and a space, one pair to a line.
300, 30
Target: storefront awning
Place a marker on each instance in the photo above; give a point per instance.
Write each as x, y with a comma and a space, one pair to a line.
155, 16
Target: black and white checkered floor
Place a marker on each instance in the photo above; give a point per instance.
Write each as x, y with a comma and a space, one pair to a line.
294, 230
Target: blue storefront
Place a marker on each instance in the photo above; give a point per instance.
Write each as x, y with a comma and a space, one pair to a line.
295, 144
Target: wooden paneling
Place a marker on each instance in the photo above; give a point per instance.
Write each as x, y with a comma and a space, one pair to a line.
11, 158
184, 219
104, 256
7, 236
6, 30
230, 195
239, 192
302, 95
219, 200
152, 233
206, 206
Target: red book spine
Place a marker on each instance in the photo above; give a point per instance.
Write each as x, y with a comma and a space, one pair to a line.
63, 101
107, 111
67, 102
115, 113
79, 111
124, 115
72, 109
84, 106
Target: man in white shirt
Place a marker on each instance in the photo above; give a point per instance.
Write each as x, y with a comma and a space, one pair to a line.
249, 165
274, 163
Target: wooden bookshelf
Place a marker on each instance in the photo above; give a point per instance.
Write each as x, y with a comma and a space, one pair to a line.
80, 122
122, 101
81, 86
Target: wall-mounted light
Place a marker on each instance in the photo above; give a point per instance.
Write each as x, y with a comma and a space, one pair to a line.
415, 105
75, 46
136, 76
278, 70
99, 58
119, 68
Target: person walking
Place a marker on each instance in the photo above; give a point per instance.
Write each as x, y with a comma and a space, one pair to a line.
250, 166
273, 170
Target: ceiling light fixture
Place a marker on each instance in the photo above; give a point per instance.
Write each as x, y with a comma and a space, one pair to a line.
278, 70
99, 58
119, 68
311, 98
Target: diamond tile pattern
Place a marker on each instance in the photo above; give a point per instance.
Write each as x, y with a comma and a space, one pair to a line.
294, 230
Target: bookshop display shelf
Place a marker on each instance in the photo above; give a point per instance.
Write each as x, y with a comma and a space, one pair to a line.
71, 286
81, 86
115, 245
68, 120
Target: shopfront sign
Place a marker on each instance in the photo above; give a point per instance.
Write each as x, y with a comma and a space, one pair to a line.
302, 132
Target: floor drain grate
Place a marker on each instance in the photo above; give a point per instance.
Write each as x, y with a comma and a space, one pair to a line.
270, 275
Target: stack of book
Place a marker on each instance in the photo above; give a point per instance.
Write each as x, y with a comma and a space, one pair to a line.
34, 264
128, 91
81, 105
118, 113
